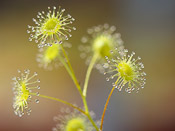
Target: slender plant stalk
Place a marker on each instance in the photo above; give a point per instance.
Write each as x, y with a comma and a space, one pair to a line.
66, 66
72, 74
71, 105
72, 71
106, 105
62, 101
104, 111
92, 121
91, 65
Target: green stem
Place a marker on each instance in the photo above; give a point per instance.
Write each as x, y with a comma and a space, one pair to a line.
62, 101
71, 105
92, 121
91, 65
72, 74
85, 104
66, 66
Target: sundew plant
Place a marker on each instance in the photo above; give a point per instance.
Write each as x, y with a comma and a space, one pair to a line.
102, 48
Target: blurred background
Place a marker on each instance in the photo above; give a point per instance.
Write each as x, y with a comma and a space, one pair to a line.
147, 27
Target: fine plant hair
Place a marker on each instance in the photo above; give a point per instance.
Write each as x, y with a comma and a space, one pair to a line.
103, 50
